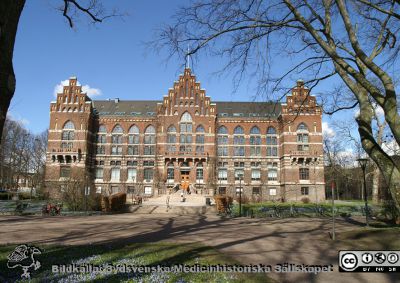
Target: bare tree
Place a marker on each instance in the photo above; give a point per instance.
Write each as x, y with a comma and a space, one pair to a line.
355, 40
10, 12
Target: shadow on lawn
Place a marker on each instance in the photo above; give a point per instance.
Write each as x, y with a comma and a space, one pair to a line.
116, 249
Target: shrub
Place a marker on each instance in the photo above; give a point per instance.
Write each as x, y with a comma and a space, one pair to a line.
223, 203
390, 212
305, 200
117, 201
245, 199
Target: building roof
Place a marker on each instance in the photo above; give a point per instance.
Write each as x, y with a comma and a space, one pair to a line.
148, 108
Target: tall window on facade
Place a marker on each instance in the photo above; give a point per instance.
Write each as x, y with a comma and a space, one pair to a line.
115, 174
170, 171
185, 127
200, 139
116, 140
255, 141
255, 171
101, 140
68, 135
148, 170
99, 170
239, 170
272, 142
222, 141
304, 191
238, 141
302, 137
132, 171
149, 140
171, 139
199, 171
272, 171
133, 140
304, 174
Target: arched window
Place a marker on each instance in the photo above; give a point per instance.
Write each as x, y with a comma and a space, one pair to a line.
68, 132
171, 138
222, 130
255, 141
271, 131
302, 137
116, 140
272, 142
185, 127
302, 127
238, 131
101, 140
133, 140
222, 141
238, 141
102, 129
149, 140
200, 139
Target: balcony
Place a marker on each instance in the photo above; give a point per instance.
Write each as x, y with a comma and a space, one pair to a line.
185, 153
66, 150
303, 153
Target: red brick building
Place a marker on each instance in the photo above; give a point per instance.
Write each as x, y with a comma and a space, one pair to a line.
267, 150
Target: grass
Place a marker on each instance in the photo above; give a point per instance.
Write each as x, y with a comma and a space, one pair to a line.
135, 254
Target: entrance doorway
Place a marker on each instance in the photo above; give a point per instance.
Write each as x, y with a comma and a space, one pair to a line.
185, 180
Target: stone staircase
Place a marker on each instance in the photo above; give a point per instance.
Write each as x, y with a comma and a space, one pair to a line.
193, 204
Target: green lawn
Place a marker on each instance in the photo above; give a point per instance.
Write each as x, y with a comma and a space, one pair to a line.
135, 254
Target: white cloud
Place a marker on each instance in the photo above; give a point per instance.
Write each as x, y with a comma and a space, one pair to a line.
18, 118
327, 131
91, 92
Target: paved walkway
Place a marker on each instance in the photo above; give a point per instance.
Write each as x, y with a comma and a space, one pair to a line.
250, 241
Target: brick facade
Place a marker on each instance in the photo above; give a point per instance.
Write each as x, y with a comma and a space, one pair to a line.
272, 151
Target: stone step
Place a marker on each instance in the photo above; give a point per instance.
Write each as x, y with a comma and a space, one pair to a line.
179, 210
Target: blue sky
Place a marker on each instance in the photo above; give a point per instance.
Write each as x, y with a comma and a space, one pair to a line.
110, 58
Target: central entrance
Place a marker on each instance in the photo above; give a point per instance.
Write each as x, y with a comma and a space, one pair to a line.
185, 180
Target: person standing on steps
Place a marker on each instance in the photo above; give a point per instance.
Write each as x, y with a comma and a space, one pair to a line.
167, 200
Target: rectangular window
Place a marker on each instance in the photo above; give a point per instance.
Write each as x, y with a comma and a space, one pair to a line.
271, 141
116, 139
170, 173
304, 174
171, 148
65, 172
116, 150
255, 151
149, 150
98, 190
200, 148
272, 191
238, 191
238, 140
272, 151
149, 139
148, 174
255, 140
132, 174
133, 150
255, 174
131, 190
148, 163
133, 139
222, 151
171, 139
222, 174
199, 174
238, 151
304, 191
115, 174
99, 173
256, 191
114, 189
239, 174
272, 174
200, 139
222, 139
222, 190
101, 150
131, 163
101, 139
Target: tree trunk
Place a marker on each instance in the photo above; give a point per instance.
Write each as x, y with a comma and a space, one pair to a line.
10, 12
375, 184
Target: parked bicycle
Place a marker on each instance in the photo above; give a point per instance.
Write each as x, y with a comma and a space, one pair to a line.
52, 209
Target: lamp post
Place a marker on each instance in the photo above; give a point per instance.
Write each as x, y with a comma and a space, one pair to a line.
333, 209
240, 194
363, 164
